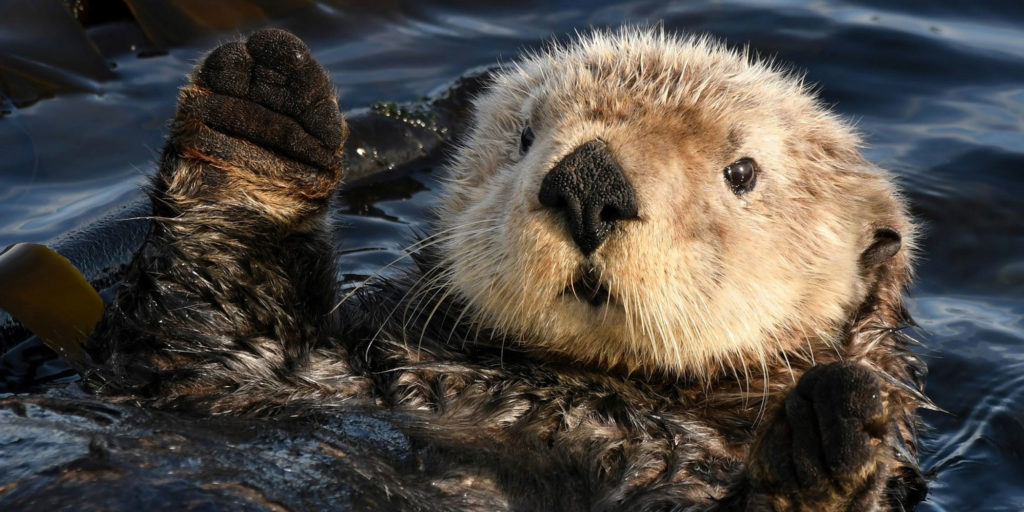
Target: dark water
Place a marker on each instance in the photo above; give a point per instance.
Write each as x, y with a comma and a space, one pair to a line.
936, 87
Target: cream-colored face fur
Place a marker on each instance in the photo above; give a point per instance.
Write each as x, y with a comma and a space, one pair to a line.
705, 278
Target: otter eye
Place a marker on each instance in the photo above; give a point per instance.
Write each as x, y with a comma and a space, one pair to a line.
741, 175
525, 140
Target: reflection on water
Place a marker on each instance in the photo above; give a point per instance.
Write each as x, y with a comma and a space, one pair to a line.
976, 447
937, 89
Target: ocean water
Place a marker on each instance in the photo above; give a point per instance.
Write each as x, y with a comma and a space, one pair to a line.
937, 88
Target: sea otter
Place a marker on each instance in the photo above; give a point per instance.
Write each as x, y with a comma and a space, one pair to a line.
662, 278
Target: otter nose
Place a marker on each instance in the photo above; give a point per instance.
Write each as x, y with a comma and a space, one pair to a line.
589, 188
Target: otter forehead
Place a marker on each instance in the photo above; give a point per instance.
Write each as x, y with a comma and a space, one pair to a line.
591, 211
696, 80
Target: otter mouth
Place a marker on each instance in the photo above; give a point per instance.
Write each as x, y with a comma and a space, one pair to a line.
588, 287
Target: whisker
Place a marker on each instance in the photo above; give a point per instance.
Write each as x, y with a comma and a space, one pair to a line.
408, 251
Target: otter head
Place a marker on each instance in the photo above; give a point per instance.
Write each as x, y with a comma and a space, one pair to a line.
666, 204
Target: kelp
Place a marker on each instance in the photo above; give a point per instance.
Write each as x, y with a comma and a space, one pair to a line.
50, 297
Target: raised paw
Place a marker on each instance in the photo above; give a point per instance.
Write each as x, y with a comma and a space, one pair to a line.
264, 115
823, 450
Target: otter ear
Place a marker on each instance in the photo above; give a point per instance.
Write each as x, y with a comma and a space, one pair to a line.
887, 242
885, 260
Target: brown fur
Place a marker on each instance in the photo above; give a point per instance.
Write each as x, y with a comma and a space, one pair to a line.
684, 393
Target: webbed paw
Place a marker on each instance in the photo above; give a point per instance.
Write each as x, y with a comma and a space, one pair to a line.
264, 114
824, 449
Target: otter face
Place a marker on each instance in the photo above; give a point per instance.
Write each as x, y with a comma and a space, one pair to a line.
663, 204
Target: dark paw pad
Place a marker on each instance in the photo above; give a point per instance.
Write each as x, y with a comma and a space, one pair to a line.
270, 92
827, 436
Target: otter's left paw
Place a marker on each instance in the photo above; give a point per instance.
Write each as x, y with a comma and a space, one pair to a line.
823, 450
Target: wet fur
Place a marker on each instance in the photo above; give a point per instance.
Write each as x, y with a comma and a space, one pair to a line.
231, 306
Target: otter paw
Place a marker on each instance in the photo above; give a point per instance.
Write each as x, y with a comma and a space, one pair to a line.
823, 450
267, 108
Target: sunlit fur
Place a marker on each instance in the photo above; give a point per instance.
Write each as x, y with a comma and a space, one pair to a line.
705, 280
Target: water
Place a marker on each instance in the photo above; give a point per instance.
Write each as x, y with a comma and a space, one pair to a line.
937, 88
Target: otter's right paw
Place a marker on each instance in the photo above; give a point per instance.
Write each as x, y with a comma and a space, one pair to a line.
263, 114
823, 451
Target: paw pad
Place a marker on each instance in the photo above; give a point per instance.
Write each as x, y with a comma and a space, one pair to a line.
269, 92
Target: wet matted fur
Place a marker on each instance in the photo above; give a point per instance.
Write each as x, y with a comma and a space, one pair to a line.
734, 348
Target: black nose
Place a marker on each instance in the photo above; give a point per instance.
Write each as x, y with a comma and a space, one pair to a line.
588, 186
